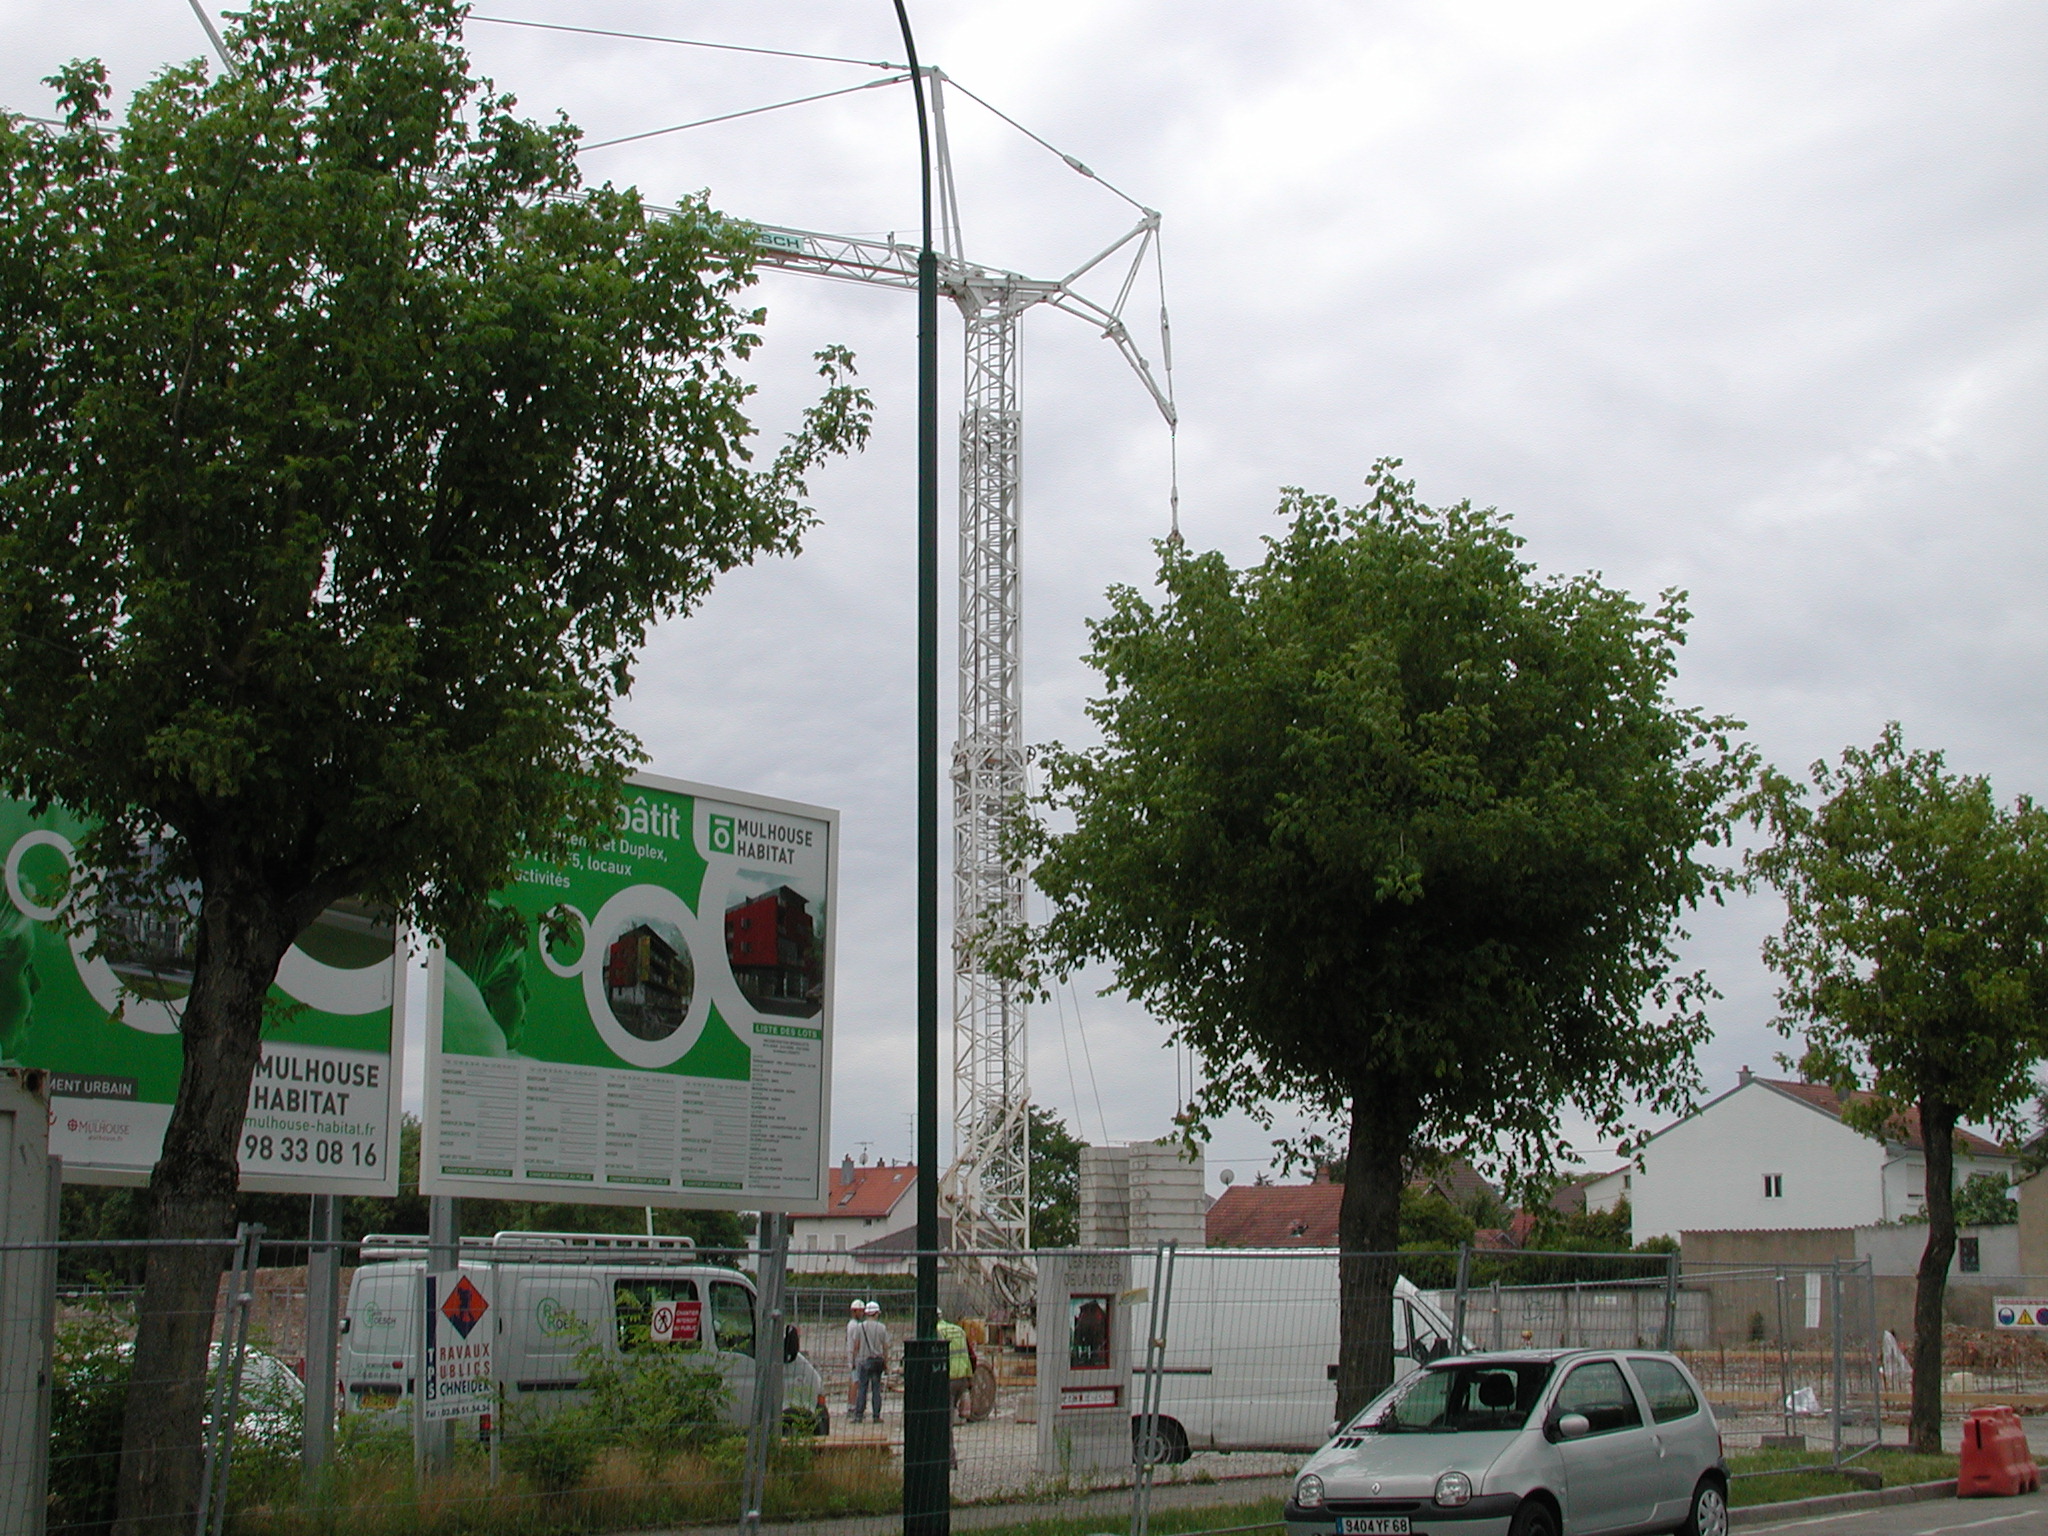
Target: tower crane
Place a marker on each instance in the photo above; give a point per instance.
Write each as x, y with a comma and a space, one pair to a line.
988, 1187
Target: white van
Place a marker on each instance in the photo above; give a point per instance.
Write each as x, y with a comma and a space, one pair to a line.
1251, 1349
550, 1311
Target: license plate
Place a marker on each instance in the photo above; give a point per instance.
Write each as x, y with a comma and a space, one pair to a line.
1373, 1525
379, 1402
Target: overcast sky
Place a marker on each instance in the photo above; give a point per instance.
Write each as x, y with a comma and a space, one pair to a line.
1742, 298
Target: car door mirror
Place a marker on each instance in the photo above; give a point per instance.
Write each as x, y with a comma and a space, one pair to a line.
1572, 1426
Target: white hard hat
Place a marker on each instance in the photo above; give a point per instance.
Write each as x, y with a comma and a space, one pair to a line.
857, 1305
873, 1309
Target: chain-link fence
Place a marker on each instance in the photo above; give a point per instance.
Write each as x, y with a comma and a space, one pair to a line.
634, 1382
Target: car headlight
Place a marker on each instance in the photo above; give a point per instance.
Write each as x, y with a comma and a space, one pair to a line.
1308, 1493
1453, 1489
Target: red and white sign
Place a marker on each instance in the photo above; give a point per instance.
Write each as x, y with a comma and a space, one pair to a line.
676, 1322
1090, 1397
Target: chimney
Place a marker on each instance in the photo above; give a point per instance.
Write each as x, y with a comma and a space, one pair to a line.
1742, 1078
846, 1170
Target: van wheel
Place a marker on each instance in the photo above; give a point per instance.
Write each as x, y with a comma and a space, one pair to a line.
1534, 1518
1169, 1449
1708, 1515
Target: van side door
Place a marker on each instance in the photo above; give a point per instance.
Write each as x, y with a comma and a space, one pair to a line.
555, 1315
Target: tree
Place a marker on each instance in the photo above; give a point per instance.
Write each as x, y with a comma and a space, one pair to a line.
1388, 826
1914, 963
349, 446
1055, 1181
1985, 1200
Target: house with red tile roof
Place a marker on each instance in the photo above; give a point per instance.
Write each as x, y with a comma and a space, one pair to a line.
1305, 1215
1772, 1154
864, 1203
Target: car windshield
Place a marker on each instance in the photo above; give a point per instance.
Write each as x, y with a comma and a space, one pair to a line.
1470, 1396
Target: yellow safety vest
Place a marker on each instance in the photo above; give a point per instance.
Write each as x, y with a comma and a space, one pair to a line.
958, 1365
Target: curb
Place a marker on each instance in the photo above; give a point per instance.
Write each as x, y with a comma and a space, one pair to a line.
1840, 1503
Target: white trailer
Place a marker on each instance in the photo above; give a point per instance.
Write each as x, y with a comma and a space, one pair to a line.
1251, 1348
599, 1292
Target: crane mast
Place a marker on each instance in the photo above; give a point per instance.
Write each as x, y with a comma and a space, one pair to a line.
988, 1187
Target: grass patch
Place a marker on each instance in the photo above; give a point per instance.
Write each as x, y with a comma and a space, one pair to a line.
1896, 1467
1265, 1514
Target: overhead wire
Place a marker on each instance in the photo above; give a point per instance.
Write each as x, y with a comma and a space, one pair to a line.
687, 42
1072, 163
727, 117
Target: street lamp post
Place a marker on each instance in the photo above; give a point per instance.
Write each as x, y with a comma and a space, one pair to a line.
927, 1418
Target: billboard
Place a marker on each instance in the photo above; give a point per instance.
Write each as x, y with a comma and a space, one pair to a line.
649, 1023
99, 1010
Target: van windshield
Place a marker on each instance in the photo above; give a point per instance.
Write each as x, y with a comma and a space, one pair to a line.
1469, 1397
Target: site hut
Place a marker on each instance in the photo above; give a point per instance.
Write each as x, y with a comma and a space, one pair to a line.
771, 941
647, 983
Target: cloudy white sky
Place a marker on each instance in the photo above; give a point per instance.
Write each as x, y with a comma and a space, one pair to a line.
1739, 297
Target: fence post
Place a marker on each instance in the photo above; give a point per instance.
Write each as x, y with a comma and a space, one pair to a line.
1876, 1350
1458, 1314
1784, 1365
227, 1381
30, 1189
323, 1303
1835, 1317
767, 1426
1670, 1340
1148, 1448
1498, 1323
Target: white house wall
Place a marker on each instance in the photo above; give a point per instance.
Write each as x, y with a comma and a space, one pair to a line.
1905, 1181
1897, 1250
1706, 1174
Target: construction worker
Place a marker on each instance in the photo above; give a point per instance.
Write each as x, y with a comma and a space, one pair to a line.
853, 1352
871, 1360
960, 1364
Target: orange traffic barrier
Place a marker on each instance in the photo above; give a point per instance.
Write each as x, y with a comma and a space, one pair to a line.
1995, 1461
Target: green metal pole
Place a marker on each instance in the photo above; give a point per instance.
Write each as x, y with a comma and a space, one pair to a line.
927, 1419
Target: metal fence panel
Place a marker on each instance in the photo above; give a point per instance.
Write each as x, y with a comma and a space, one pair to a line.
1211, 1377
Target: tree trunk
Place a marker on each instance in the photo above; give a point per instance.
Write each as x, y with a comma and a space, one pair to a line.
243, 932
1368, 1235
1937, 1133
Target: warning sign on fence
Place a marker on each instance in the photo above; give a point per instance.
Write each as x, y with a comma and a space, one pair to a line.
2029, 1313
460, 1326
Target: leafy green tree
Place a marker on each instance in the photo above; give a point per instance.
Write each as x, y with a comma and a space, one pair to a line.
1055, 1181
1390, 827
1432, 1223
1985, 1200
1914, 963
349, 446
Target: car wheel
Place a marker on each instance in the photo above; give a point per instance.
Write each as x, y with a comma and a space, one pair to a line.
1709, 1513
1534, 1518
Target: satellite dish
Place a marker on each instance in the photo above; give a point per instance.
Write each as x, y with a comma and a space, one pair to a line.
1228, 1176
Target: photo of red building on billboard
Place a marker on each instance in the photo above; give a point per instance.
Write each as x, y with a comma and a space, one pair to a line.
648, 982
771, 942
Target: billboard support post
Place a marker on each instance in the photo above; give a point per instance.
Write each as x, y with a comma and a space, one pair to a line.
323, 1307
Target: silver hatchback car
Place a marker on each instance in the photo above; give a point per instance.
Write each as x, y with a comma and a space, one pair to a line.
1553, 1442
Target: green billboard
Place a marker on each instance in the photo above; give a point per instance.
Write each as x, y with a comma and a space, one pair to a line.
97, 1007
649, 1023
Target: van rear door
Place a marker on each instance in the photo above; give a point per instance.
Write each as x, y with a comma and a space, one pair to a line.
381, 1341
